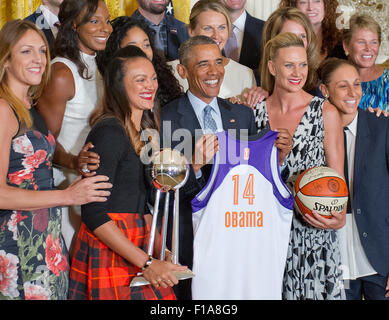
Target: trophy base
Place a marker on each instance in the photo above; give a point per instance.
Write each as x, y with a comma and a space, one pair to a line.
180, 275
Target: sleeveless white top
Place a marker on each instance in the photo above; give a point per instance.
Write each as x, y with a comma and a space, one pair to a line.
75, 127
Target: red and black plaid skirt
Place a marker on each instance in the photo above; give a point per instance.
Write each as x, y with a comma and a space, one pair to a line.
99, 273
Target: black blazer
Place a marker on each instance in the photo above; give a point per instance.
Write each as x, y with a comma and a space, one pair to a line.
371, 188
179, 114
177, 33
251, 51
38, 18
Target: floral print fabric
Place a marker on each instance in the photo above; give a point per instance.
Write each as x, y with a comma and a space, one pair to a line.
33, 257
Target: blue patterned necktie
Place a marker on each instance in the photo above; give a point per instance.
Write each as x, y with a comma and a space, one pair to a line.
209, 121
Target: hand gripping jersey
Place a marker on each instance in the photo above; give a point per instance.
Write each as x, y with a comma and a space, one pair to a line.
241, 223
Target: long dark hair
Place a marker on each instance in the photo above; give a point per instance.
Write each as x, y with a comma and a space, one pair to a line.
66, 42
116, 102
169, 87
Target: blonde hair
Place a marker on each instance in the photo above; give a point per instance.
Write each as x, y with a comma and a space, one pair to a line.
361, 21
10, 34
273, 27
270, 52
206, 5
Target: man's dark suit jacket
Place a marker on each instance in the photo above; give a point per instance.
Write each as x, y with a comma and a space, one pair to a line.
38, 18
176, 34
181, 114
251, 51
371, 188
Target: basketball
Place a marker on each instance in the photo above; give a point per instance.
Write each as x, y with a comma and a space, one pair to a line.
321, 189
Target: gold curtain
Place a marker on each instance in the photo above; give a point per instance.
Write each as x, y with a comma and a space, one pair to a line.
19, 9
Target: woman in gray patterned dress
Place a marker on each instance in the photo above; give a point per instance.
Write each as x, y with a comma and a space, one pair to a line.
313, 261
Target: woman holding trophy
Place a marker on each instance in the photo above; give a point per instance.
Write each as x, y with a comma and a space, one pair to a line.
111, 244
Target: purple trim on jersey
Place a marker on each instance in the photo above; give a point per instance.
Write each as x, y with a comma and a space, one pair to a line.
260, 155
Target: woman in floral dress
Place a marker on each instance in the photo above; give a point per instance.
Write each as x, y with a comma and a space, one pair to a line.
33, 258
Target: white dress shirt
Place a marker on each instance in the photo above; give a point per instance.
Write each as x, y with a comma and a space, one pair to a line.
239, 30
50, 18
199, 106
354, 260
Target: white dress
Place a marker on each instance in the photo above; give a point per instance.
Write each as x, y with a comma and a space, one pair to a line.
237, 78
74, 131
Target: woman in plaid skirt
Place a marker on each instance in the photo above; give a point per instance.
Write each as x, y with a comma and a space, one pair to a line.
111, 243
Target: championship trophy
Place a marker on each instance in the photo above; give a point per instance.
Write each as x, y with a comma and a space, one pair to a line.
169, 171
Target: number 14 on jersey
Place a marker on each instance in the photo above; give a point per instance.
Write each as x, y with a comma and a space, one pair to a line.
248, 192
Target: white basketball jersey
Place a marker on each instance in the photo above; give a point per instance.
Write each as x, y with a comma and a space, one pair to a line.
241, 223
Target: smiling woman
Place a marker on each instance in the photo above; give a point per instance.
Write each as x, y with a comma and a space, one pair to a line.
316, 128
33, 256
73, 89
114, 235
362, 43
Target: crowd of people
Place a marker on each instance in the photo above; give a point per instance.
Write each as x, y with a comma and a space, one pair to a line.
79, 90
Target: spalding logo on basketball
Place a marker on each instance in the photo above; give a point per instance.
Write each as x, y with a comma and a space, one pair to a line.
321, 189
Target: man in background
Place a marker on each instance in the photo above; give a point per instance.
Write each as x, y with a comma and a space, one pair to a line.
46, 18
244, 44
169, 32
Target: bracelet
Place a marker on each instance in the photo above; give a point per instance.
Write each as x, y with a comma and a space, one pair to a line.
148, 262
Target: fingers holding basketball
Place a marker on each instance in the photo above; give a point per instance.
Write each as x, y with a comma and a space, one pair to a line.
337, 220
321, 197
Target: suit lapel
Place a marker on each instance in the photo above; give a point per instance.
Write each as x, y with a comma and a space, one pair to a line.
361, 145
172, 38
228, 118
246, 40
188, 118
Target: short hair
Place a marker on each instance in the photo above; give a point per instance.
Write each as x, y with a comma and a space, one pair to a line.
206, 5
186, 47
10, 34
270, 52
329, 66
361, 21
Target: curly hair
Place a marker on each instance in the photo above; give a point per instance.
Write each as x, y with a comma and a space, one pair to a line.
331, 35
66, 43
169, 87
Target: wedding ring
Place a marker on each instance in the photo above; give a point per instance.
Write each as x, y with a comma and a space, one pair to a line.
85, 169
